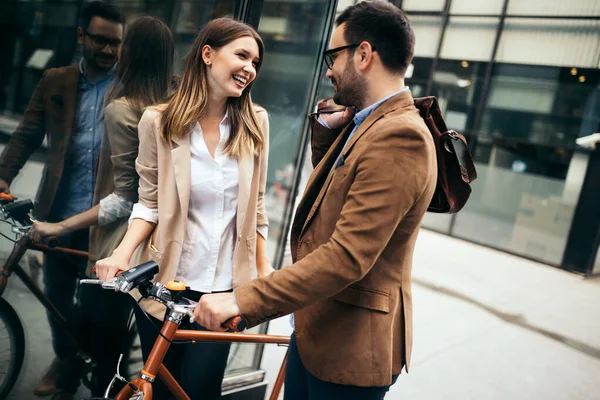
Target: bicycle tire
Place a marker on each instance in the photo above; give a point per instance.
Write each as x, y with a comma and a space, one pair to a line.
12, 333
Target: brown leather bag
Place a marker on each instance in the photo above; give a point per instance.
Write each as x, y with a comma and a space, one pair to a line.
456, 170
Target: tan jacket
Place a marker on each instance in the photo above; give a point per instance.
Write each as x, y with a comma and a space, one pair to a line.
116, 174
165, 176
352, 244
51, 112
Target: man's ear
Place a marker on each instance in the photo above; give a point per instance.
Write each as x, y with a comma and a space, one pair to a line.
80, 35
365, 52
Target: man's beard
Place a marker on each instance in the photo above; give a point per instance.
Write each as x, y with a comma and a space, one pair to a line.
350, 88
91, 57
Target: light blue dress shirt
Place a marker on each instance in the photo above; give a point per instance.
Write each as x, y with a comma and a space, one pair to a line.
76, 189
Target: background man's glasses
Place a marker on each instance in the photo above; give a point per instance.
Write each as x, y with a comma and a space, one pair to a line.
328, 54
102, 41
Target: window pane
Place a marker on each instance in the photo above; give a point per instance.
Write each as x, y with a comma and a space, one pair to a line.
518, 202
597, 263
469, 38
572, 43
293, 34
476, 7
542, 105
420, 5
457, 85
427, 34
417, 75
553, 7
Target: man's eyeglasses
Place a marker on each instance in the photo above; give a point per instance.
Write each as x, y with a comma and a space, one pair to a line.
328, 54
102, 41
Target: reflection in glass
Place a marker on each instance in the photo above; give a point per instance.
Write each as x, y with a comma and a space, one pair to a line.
558, 42
293, 33
596, 269
458, 85
489, 7
420, 5
543, 105
521, 201
469, 38
428, 30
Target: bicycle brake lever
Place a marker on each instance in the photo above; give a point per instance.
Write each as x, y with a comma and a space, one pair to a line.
111, 284
91, 281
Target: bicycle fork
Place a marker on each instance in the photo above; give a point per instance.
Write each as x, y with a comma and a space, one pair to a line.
153, 367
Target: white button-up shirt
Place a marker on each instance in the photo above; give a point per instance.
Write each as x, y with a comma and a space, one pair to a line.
206, 263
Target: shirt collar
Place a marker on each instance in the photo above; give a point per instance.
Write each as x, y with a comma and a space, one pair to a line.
109, 74
360, 116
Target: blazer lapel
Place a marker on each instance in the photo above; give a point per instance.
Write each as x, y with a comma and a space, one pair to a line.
182, 167
317, 180
246, 170
401, 100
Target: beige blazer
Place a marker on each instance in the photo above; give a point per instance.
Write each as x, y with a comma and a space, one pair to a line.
116, 174
352, 243
165, 179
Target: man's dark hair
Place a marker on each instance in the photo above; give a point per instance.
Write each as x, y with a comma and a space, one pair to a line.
100, 9
385, 27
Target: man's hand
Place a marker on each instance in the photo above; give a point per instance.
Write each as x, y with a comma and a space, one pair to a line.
4, 187
339, 119
42, 230
214, 309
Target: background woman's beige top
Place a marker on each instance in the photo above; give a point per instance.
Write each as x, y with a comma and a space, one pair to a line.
116, 176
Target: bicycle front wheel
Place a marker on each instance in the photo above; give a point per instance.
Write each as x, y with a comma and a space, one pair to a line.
12, 347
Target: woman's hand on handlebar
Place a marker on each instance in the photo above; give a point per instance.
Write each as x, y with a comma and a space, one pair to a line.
214, 309
110, 267
40, 232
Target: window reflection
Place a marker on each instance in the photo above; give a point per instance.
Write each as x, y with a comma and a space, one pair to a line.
543, 105
293, 33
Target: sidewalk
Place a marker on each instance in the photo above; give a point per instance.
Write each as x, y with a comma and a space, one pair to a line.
488, 325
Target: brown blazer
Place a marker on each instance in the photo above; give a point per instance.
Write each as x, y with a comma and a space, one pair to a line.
51, 111
352, 244
165, 180
116, 174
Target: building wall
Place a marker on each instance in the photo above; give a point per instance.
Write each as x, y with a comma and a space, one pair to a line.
520, 78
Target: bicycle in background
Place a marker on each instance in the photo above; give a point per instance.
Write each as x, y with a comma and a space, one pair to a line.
17, 214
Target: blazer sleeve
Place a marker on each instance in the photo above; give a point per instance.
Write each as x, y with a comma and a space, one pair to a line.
146, 163
366, 223
321, 139
261, 214
121, 124
28, 136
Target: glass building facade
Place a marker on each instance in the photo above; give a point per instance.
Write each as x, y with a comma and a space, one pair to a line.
520, 78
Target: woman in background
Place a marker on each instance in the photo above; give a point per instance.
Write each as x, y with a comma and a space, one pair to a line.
143, 78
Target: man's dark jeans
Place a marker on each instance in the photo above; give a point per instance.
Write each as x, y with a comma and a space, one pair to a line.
302, 385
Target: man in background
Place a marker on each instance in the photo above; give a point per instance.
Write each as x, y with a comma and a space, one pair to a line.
67, 109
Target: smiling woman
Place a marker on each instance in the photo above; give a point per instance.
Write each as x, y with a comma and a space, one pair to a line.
202, 165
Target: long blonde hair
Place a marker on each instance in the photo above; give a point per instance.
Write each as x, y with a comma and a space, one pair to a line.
190, 101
